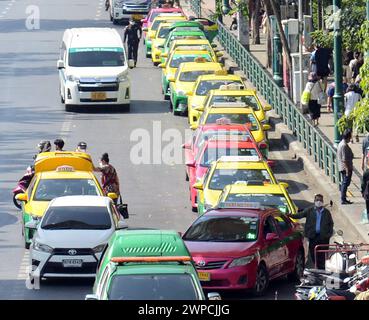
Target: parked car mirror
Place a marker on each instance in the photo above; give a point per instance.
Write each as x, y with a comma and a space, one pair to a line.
164, 55
145, 29
112, 195
219, 54
267, 107
171, 79
271, 236
214, 296
60, 64
162, 65
266, 127
22, 197
191, 164
199, 186
284, 184
91, 297
186, 146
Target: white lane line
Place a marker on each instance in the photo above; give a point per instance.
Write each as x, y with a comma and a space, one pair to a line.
4, 12
24, 267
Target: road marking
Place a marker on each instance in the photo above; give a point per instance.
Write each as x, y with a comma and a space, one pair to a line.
24, 267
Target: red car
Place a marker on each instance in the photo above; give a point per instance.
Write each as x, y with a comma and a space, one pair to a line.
211, 150
153, 13
235, 247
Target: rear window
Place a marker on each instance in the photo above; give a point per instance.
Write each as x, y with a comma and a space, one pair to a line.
236, 118
163, 32
248, 100
96, 57
191, 76
205, 86
213, 154
152, 287
177, 60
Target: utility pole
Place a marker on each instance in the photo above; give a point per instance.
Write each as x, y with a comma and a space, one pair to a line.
301, 32
338, 92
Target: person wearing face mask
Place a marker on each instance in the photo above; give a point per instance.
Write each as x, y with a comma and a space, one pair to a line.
132, 34
318, 228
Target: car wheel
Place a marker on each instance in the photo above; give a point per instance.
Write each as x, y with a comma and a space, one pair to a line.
262, 281
115, 21
68, 108
298, 272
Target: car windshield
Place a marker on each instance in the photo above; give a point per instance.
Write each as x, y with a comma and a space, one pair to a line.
178, 59
96, 57
204, 47
191, 76
223, 177
277, 201
213, 154
48, 189
163, 32
223, 229
248, 100
236, 118
205, 86
78, 217
152, 287
178, 37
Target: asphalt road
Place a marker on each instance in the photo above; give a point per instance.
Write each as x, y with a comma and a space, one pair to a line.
30, 110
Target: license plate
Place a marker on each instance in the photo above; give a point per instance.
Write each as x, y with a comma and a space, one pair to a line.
204, 276
98, 95
137, 17
72, 263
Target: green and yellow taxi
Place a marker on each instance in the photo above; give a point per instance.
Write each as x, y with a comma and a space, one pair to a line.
57, 174
230, 170
178, 56
270, 196
182, 83
201, 88
151, 31
158, 41
236, 93
146, 265
234, 113
202, 44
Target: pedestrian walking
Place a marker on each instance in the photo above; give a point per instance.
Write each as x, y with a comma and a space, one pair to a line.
345, 164
351, 99
352, 65
109, 177
132, 34
314, 88
330, 93
365, 148
319, 63
318, 228
365, 188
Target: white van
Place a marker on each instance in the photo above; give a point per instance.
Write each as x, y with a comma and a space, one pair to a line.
93, 68
123, 10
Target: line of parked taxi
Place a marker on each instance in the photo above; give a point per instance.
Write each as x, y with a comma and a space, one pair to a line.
242, 238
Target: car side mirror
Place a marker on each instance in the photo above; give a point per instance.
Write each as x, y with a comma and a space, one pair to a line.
193, 126
271, 237
32, 224
267, 107
171, 79
164, 55
219, 54
112, 195
284, 185
214, 296
190, 93
186, 146
199, 108
22, 197
161, 65
143, 20
191, 164
145, 29
121, 225
266, 127
60, 64
91, 297
199, 186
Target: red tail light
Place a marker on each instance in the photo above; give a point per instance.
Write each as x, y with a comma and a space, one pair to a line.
263, 145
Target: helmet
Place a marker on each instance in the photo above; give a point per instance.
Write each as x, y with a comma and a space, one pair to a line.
82, 145
44, 146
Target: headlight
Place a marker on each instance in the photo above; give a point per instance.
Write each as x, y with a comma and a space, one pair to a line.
119, 4
99, 248
123, 78
72, 78
241, 261
42, 247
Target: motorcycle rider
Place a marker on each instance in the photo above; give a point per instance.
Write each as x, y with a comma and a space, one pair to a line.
132, 34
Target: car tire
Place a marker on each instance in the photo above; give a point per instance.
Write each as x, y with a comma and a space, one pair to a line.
68, 108
26, 245
298, 271
262, 281
115, 21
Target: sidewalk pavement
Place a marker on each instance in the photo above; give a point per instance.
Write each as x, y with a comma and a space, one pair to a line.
352, 214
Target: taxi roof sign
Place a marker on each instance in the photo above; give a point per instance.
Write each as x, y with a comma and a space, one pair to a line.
200, 60
241, 205
223, 121
65, 169
239, 159
221, 72
228, 105
232, 86
151, 259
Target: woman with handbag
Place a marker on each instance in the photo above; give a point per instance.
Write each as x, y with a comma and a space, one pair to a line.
109, 177
316, 94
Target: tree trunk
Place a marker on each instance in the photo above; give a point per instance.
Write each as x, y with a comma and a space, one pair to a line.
282, 34
256, 22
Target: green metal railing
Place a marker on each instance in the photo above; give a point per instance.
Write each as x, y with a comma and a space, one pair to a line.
316, 145
195, 6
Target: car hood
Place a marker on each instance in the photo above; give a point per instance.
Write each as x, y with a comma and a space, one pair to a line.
101, 73
184, 86
197, 100
212, 196
73, 238
202, 249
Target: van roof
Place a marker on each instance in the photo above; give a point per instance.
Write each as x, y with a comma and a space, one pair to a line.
94, 37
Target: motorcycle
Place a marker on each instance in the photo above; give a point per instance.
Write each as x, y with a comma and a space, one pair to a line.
22, 185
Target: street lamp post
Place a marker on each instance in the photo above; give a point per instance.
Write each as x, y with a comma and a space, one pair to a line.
277, 53
338, 92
